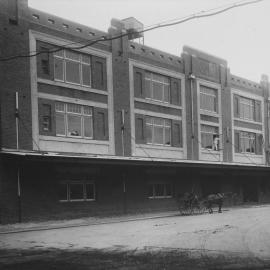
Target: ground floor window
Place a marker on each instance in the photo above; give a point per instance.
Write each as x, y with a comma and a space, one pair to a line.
76, 191
210, 137
159, 190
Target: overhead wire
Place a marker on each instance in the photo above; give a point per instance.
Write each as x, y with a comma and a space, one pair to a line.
199, 15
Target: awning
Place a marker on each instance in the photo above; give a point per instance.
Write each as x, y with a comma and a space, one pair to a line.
24, 155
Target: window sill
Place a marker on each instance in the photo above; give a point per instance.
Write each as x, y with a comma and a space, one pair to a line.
160, 197
67, 201
159, 103
72, 86
72, 140
160, 147
210, 113
247, 121
217, 152
242, 154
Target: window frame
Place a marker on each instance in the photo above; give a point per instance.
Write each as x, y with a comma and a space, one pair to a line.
82, 115
217, 101
64, 59
204, 132
243, 103
163, 83
164, 196
83, 183
241, 137
164, 128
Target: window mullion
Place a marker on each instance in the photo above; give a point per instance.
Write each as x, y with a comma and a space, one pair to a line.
82, 125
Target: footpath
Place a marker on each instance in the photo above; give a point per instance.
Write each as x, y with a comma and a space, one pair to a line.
87, 221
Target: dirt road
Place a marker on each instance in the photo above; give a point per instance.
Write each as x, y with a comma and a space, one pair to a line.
235, 239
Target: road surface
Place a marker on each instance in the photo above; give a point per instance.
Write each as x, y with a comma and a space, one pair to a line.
234, 239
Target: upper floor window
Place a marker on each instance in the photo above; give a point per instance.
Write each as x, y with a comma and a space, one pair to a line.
72, 67
158, 131
210, 137
247, 108
74, 120
157, 87
208, 99
247, 142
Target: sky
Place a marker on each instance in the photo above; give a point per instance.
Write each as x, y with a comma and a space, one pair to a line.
239, 36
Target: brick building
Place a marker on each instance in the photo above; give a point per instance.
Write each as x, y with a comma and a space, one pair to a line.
95, 128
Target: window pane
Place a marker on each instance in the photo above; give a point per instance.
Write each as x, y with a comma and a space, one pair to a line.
159, 190
76, 191
62, 192
167, 136
168, 189
60, 124
74, 125
59, 106
86, 75
90, 191
72, 55
157, 91
88, 126
59, 53
158, 135
58, 69
148, 75
158, 78
209, 129
148, 92
207, 140
166, 93
158, 121
72, 72
149, 135
208, 99
74, 108
87, 110
150, 190
86, 59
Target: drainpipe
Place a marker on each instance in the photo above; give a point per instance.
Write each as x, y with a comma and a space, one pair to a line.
18, 169
192, 77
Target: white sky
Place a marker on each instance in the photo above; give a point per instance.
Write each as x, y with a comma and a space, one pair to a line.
240, 36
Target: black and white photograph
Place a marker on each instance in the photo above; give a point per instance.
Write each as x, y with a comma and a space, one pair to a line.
134, 134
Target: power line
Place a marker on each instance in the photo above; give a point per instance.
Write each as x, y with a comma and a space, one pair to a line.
186, 19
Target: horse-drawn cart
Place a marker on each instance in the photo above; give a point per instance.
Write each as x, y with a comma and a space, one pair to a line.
189, 204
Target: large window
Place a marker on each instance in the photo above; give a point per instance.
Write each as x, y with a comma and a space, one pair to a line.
247, 108
158, 131
74, 120
159, 190
208, 99
157, 87
77, 191
72, 67
210, 137
247, 142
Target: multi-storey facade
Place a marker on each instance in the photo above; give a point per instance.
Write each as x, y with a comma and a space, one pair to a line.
91, 128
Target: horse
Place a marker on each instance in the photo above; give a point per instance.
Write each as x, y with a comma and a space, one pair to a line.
216, 199
212, 199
